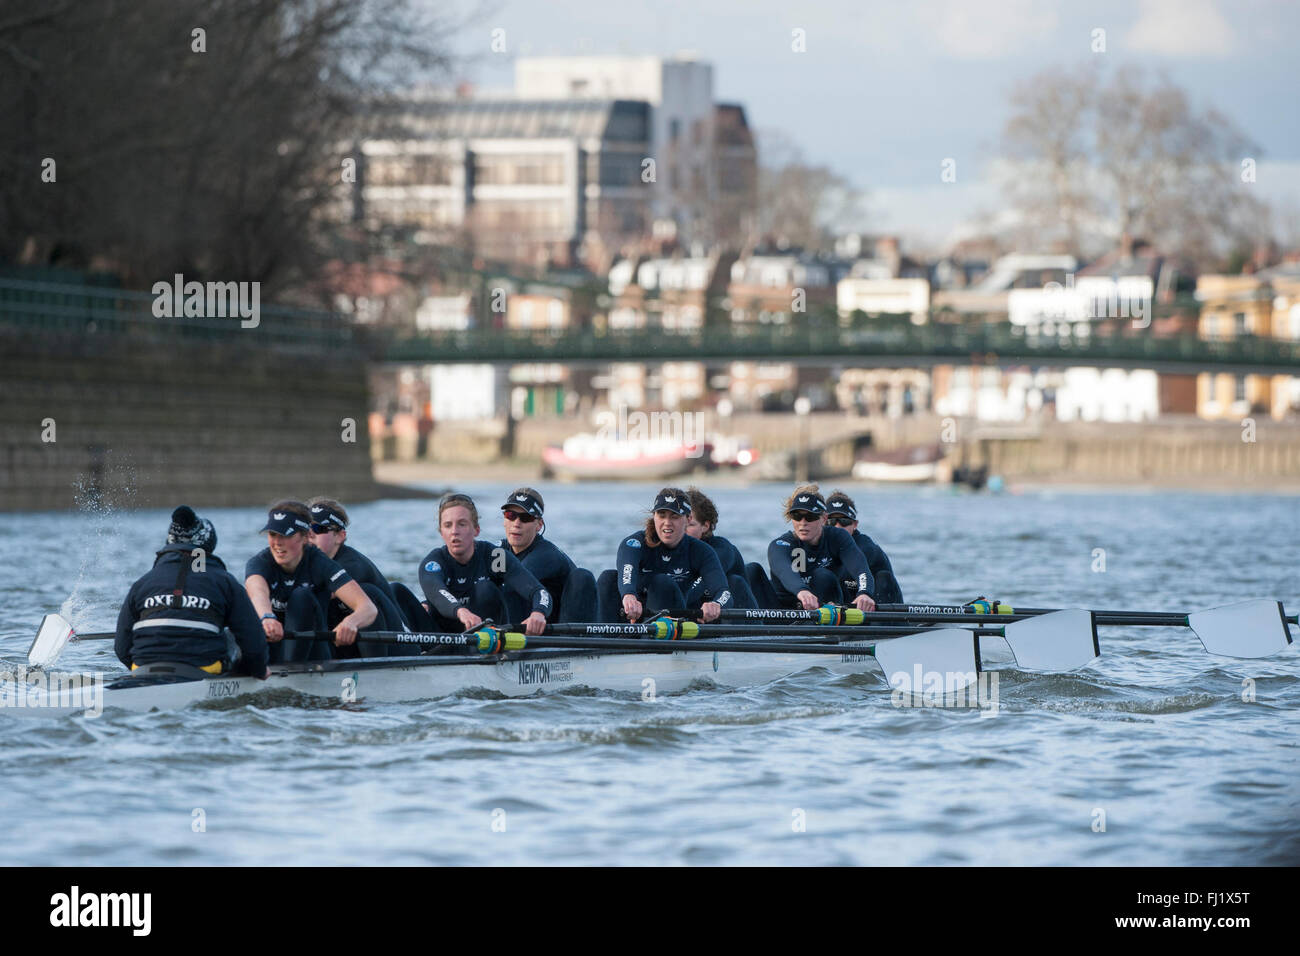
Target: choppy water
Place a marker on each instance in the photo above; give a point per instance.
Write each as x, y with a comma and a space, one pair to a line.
1155, 734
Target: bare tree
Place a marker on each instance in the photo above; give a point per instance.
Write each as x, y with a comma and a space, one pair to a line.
800, 203
1096, 161
198, 136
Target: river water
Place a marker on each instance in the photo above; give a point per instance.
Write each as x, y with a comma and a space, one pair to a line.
1154, 754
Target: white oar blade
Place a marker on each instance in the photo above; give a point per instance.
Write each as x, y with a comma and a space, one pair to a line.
50, 639
1060, 641
943, 659
1247, 629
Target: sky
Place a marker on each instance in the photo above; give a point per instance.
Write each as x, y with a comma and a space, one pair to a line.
886, 91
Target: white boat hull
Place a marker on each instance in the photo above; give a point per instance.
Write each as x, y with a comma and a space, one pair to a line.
389, 679
884, 471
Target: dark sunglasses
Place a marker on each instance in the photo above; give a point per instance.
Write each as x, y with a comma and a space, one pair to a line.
521, 516
325, 528
839, 521
802, 516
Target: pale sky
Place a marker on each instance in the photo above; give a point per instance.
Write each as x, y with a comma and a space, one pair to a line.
887, 90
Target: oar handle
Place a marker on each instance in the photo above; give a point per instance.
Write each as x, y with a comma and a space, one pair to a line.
485, 640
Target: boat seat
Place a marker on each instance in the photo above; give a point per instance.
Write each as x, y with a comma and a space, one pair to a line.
160, 672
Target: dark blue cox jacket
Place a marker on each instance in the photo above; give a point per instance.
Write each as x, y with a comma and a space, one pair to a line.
175, 613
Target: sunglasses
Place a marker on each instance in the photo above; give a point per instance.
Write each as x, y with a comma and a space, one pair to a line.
325, 528
802, 516
840, 522
520, 516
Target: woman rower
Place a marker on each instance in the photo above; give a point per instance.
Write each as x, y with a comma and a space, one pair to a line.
841, 512
329, 533
573, 589
701, 523
465, 580
288, 580
810, 562
658, 565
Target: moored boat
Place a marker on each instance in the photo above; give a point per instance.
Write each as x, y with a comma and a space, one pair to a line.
592, 458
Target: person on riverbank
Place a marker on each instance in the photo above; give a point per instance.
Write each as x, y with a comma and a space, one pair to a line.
702, 523
841, 512
329, 533
465, 581
810, 562
290, 582
182, 610
658, 566
573, 589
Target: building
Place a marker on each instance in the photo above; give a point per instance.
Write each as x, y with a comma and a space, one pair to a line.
1265, 304
775, 285
531, 181
705, 170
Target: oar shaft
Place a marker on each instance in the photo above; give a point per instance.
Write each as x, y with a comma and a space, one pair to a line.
600, 643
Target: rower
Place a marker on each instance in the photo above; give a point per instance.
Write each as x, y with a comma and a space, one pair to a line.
841, 512
177, 612
658, 565
289, 582
465, 580
572, 588
701, 523
329, 533
809, 562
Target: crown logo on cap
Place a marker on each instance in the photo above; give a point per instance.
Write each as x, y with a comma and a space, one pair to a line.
669, 498
278, 517
521, 497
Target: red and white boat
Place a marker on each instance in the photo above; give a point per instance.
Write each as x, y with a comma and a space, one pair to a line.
589, 457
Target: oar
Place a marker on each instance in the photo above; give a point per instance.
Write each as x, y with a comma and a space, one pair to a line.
949, 652
1249, 629
51, 637
1059, 642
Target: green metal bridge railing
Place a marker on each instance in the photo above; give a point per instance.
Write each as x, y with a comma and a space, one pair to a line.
83, 309
95, 310
895, 342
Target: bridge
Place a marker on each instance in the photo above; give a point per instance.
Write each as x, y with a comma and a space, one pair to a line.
882, 343
87, 311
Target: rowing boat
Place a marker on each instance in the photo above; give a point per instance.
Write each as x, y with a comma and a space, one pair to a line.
514, 674
914, 647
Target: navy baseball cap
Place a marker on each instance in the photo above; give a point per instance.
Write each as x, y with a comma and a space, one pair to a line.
523, 501
839, 506
810, 502
323, 515
677, 504
284, 522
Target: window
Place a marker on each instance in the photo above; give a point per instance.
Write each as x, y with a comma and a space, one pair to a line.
1239, 393
1239, 324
